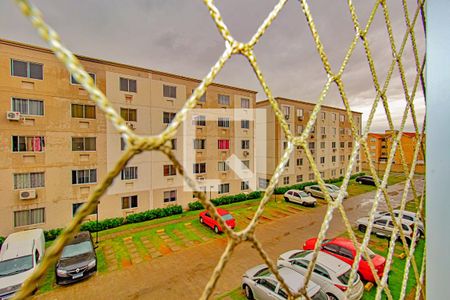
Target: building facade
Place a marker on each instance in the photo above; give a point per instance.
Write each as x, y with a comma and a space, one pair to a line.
330, 142
57, 145
380, 145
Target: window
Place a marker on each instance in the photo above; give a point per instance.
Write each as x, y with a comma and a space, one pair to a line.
333, 158
263, 183
123, 143
84, 176
268, 284
128, 85
286, 180
246, 164
84, 143
322, 160
313, 129
74, 81
27, 69
350, 144
245, 124
244, 185
342, 145
285, 144
245, 103
299, 129
224, 188
323, 115
128, 114
341, 117
323, 130
76, 206
169, 91
169, 170
29, 180
199, 120
202, 98
28, 143
173, 143
334, 130
333, 145
342, 131
83, 111
129, 202
346, 253
311, 176
245, 144
299, 178
300, 112
333, 117
223, 144
129, 173
299, 161
333, 172
331, 248
224, 99
223, 166
168, 117
28, 106
199, 168
29, 217
311, 145
223, 122
199, 144
170, 196
286, 111
322, 145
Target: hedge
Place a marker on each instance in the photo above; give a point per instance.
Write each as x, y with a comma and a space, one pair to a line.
2, 239
93, 226
226, 200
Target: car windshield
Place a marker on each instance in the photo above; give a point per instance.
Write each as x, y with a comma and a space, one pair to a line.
344, 278
16, 265
333, 187
77, 249
227, 217
303, 194
370, 252
320, 296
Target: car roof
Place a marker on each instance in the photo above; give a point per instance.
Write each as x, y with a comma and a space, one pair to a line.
295, 280
342, 242
222, 211
80, 237
332, 263
19, 244
404, 221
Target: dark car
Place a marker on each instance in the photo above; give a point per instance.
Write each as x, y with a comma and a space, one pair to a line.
365, 180
77, 261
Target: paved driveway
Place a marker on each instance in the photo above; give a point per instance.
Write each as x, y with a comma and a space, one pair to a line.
184, 274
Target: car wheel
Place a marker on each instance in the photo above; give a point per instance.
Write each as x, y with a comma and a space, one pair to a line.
201, 220
362, 228
216, 229
309, 194
286, 199
360, 182
332, 297
248, 292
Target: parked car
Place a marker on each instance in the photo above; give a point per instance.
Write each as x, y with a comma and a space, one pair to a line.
335, 188
383, 226
260, 284
77, 261
20, 255
407, 215
300, 197
205, 218
345, 250
314, 190
330, 273
368, 180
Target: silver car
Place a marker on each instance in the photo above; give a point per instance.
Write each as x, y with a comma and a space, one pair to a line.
330, 273
314, 190
300, 197
336, 189
407, 215
383, 226
260, 284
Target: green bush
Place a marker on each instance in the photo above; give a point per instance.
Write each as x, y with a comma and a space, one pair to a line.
154, 214
2, 239
196, 205
254, 195
52, 234
93, 226
357, 174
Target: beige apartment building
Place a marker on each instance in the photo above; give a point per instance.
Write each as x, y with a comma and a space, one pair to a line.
57, 145
330, 142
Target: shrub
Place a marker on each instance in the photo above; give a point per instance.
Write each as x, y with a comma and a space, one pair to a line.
154, 214
93, 226
2, 239
52, 234
357, 174
254, 195
195, 205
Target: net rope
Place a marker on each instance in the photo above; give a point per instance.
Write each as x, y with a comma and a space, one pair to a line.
161, 142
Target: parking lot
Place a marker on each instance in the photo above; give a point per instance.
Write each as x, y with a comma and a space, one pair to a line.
173, 258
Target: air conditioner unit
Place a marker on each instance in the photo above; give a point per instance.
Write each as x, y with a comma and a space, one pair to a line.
246, 153
132, 126
13, 115
324, 136
27, 194
300, 118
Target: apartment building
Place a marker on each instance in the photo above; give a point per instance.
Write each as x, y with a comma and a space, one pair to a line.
57, 145
380, 145
330, 142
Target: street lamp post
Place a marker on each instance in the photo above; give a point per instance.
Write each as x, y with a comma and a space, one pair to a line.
210, 188
96, 226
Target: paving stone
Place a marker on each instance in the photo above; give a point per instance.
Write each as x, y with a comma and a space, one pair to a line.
160, 230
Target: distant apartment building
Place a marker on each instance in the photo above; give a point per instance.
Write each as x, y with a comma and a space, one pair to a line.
57, 145
330, 142
380, 145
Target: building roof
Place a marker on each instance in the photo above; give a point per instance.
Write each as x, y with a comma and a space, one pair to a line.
264, 102
120, 65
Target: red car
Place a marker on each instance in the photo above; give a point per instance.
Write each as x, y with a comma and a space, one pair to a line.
206, 219
345, 251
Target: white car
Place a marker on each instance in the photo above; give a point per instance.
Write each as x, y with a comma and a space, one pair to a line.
336, 189
383, 226
314, 190
407, 215
331, 273
21, 253
300, 197
260, 284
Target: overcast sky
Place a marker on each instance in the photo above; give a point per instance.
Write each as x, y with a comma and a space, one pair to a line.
180, 37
